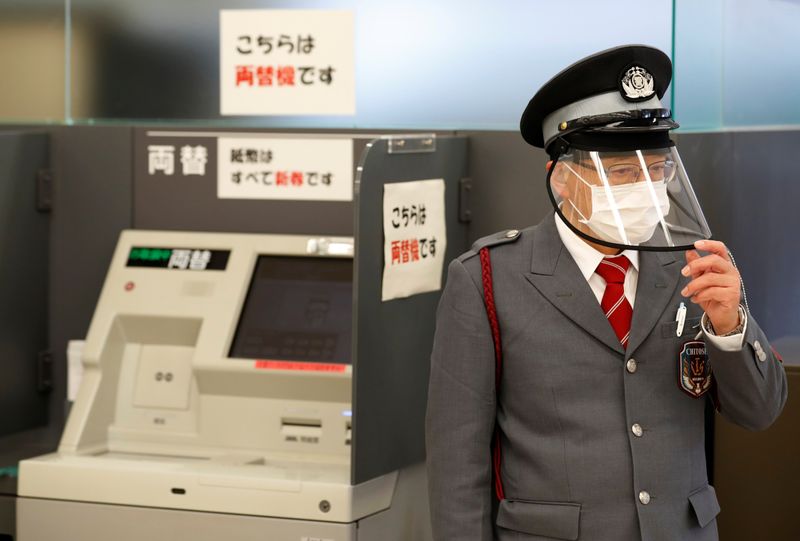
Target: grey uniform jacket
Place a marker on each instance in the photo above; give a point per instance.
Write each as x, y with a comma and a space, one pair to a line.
572, 467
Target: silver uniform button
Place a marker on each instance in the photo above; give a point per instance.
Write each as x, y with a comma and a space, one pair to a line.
512, 233
760, 353
637, 430
630, 366
644, 497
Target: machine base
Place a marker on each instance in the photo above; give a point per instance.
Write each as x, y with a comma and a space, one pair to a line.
56, 520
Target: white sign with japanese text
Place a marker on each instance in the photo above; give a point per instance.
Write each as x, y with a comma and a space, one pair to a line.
415, 238
275, 168
287, 62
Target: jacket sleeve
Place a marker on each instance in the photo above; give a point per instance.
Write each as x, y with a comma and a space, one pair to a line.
461, 413
751, 383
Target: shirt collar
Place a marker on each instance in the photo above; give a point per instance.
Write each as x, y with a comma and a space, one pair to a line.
586, 257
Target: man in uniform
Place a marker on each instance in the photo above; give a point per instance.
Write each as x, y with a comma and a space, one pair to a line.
613, 333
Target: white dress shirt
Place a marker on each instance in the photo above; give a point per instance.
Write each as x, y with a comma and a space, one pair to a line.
587, 259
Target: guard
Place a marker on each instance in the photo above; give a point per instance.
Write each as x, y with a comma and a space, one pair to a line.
573, 360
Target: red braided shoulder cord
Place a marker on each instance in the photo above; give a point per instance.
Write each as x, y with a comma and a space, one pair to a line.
491, 311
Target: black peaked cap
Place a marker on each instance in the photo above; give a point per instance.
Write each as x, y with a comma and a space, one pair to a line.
596, 74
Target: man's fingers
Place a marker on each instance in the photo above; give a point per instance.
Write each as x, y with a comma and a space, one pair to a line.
713, 246
691, 256
717, 294
709, 263
707, 280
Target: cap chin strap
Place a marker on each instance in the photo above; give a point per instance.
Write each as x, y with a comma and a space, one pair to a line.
635, 121
635, 118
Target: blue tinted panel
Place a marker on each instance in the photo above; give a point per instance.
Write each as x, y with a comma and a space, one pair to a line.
737, 63
762, 62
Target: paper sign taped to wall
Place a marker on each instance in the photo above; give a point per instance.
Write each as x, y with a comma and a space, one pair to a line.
285, 168
287, 62
415, 237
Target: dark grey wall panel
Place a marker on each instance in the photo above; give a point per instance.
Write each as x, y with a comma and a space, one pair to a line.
92, 204
8, 517
24, 239
393, 339
508, 183
190, 203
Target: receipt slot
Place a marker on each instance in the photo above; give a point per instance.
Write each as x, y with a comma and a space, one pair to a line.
248, 387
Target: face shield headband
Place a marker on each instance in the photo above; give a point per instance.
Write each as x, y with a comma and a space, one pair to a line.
638, 199
636, 120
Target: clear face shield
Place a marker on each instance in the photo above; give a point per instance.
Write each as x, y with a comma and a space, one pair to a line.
633, 199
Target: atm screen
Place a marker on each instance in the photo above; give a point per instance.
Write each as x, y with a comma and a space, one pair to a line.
297, 309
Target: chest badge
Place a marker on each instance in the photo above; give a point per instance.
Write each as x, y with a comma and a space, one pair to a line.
694, 370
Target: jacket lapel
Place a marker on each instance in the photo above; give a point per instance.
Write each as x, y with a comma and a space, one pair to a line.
554, 273
657, 281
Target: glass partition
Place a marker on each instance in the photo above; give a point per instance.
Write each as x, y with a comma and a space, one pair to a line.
419, 65
737, 63
32, 60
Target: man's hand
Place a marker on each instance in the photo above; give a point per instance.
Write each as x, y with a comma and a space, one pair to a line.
715, 284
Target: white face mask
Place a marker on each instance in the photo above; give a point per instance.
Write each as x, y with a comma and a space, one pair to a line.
633, 210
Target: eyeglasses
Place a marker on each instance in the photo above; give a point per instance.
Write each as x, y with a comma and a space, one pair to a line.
628, 173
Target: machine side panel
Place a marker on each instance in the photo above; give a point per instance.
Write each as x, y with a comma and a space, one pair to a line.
394, 339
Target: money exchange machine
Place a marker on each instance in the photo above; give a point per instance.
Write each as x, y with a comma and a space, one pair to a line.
261, 386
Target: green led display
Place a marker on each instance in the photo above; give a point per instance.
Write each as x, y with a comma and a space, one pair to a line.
194, 259
149, 254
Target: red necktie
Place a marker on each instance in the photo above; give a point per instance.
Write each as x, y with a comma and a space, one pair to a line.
616, 307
